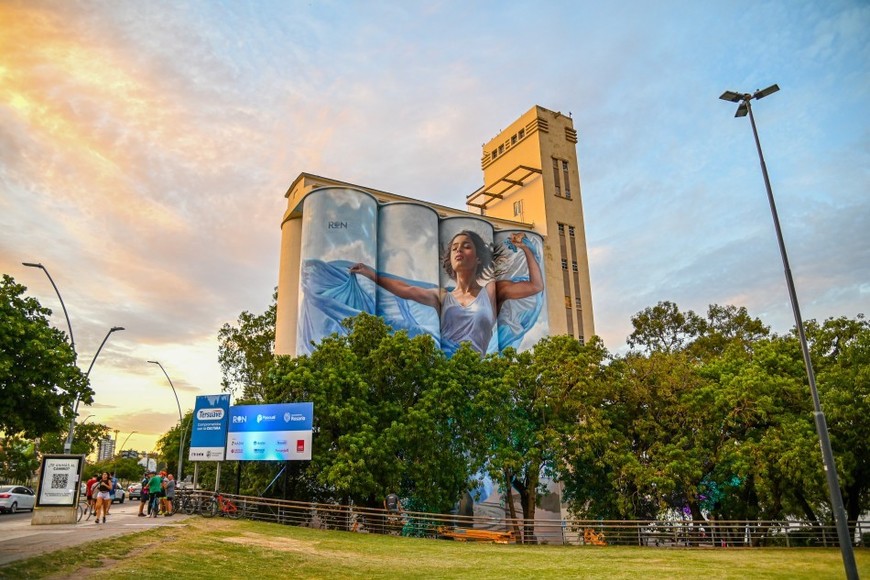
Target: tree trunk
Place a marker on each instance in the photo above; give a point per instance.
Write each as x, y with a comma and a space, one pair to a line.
512, 509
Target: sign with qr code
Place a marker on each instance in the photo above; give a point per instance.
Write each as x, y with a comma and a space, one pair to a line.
59, 480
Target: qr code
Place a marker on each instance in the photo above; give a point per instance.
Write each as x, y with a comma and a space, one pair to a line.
59, 480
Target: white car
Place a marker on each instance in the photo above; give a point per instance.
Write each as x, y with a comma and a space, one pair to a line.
14, 498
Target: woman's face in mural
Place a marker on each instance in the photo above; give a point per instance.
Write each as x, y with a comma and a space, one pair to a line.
463, 254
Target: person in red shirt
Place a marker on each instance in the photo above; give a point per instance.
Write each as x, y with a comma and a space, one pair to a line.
89, 493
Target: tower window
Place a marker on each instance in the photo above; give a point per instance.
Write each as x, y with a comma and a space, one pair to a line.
556, 178
567, 181
518, 208
564, 263
570, 231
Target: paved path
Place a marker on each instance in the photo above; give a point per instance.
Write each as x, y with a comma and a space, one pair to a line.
19, 539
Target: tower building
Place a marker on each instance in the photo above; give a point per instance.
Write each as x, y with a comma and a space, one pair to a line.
529, 205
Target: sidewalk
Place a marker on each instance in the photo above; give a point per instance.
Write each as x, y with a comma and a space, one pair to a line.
19, 539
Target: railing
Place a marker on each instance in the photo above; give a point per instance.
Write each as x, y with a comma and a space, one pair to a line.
649, 533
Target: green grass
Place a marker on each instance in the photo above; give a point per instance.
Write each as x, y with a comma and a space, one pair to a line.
222, 548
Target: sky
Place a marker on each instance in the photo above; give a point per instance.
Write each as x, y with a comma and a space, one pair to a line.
145, 149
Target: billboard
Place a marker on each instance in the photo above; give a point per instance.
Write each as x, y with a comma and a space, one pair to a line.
59, 480
280, 432
208, 436
454, 279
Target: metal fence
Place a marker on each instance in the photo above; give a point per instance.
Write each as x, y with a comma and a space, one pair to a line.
648, 533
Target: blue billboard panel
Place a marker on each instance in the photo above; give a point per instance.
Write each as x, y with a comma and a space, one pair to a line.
209, 431
279, 432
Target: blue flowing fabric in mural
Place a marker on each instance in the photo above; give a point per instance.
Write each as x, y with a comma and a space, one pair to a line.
515, 320
412, 317
331, 294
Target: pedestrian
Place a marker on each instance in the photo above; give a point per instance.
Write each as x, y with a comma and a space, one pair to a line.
89, 492
103, 486
143, 494
169, 491
112, 493
155, 491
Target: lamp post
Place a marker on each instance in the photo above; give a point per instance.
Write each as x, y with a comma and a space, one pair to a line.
72, 341
830, 466
180, 419
67, 446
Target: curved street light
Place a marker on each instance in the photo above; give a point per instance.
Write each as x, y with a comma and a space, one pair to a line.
821, 425
180, 420
121, 448
72, 341
67, 446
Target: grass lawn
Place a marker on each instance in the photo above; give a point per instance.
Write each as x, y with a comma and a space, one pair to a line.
220, 548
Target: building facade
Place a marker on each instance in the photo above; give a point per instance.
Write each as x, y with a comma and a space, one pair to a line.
530, 198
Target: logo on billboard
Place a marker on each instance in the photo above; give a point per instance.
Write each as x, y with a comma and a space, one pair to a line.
261, 418
240, 419
210, 414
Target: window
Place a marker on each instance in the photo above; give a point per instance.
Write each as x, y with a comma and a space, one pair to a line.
556, 180
494, 155
571, 231
562, 229
574, 266
564, 263
518, 208
577, 303
513, 139
521, 133
567, 303
500, 149
567, 181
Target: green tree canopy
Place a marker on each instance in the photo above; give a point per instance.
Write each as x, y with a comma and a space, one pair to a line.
39, 379
245, 352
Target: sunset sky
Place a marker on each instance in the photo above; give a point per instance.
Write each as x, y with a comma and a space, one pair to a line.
145, 149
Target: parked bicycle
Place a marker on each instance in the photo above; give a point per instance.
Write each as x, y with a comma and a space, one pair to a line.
84, 510
221, 505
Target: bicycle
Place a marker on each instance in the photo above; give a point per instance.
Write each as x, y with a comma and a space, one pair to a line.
84, 510
221, 505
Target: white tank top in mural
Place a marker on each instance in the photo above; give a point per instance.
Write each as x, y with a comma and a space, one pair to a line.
473, 323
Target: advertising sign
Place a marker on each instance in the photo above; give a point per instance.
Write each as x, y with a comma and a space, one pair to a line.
59, 480
270, 432
209, 432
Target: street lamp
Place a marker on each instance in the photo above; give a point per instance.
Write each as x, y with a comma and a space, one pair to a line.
180, 419
821, 424
72, 341
125, 441
67, 446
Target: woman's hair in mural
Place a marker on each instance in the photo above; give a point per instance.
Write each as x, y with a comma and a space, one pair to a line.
490, 256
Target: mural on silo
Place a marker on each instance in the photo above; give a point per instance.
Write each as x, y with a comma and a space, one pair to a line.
468, 298
451, 279
339, 229
522, 320
407, 272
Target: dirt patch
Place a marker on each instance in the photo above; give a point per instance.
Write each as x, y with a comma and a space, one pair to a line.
280, 544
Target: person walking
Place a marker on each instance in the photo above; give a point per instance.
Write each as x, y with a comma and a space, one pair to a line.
89, 492
104, 486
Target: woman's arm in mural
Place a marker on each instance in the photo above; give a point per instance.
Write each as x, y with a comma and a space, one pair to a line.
428, 297
508, 290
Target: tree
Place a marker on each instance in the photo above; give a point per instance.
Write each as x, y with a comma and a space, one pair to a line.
388, 416
39, 379
245, 352
18, 460
840, 350
167, 445
530, 409
663, 328
86, 439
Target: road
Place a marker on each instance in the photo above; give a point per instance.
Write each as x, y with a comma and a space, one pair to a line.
19, 539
